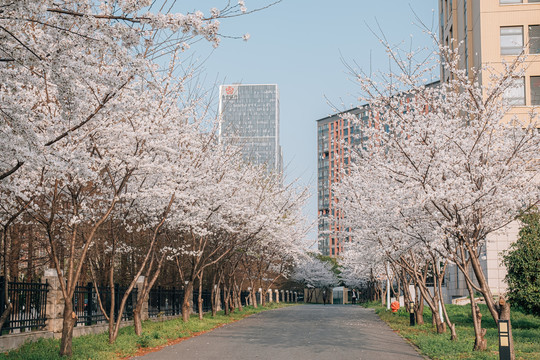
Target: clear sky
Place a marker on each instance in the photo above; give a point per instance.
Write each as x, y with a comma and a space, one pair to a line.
301, 45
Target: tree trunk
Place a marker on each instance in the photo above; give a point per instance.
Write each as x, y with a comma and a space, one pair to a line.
111, 309
263, 298
406, 293
254, 298
433, 303
451, 325
14, 255
480, 342
213, 301
484, 286
231, 302
9, 306
199, 299
137, 323
419, 306
436, 320
186, 304
137, 319
30, 262
226, 308
453, 334
213, 295
67, 329
5, 314
419, 313
217, 299
504, 314
239, 300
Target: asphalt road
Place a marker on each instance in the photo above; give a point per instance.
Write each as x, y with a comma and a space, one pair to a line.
313, 332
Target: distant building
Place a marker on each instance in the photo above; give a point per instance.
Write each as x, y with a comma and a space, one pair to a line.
493, 32
249, 117
334, 134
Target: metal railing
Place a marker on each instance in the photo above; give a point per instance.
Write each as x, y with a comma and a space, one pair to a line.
207, 301
29, 301
244, 297
165, 301
86, 305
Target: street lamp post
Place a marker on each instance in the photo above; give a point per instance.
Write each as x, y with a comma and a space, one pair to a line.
411, 312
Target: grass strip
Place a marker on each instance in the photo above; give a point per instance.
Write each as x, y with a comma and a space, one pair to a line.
525, 329
155, 334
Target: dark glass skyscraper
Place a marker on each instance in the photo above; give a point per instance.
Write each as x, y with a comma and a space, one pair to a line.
249, 117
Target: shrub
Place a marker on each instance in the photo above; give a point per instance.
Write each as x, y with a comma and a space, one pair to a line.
522, 261
144, 340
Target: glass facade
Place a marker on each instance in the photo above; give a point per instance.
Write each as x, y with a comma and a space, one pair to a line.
249, 117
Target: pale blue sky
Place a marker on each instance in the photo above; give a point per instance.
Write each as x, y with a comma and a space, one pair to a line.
300, 45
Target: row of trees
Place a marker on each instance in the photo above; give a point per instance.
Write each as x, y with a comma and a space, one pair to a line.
110, 166
436, 170
316, 273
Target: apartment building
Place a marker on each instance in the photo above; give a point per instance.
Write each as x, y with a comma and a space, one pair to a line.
335, 134
491, 33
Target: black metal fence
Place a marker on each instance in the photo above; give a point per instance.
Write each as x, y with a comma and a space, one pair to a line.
244, 297
207, 301
165, 301
29, 301
86, 305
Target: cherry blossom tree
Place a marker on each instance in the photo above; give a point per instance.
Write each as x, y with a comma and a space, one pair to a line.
444, 166
314, 273
64, 61
83, 122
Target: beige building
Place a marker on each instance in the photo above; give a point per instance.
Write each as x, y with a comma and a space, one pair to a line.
489, 33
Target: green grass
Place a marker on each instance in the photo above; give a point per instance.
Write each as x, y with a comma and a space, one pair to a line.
155, 333
525, 329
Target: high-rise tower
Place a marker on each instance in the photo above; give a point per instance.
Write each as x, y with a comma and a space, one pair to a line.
249, 117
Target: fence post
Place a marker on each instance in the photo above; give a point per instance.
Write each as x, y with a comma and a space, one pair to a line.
55, 302
89, 304
159, 300
133, 296
175, 300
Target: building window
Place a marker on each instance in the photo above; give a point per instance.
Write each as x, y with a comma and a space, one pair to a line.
504, 2
511, 40
534, 39
515, 94
535, 90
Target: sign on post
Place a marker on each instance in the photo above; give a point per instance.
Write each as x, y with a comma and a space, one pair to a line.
504, 340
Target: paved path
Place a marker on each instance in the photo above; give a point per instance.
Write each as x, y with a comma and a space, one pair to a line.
314, 332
